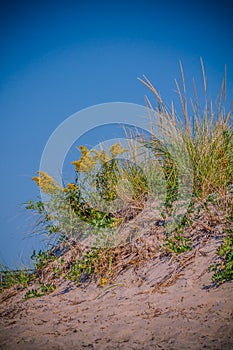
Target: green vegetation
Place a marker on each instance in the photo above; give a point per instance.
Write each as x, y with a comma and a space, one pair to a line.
9, 278
223, 269
42, 259
44, 289
190, 158
91, 263
177, 243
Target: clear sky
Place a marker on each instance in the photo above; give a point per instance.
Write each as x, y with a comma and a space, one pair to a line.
58, 57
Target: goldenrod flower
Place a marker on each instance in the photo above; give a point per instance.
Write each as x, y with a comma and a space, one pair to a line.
86, 162
103, 157
103, 281
96, 153
117, 149
71, 186
46, 183
77, 163
89, 162
84, 150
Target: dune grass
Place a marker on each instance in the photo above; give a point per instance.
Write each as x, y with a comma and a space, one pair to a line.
202, 138
207, 135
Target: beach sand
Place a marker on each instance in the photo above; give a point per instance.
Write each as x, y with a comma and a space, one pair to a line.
154, 306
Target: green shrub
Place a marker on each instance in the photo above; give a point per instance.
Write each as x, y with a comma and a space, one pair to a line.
44, 289
10, 278
177, 243
223, 270
42, 259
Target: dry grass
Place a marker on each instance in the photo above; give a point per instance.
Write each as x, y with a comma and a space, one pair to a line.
206, 134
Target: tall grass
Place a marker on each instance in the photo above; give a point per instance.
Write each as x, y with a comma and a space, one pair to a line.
206, 134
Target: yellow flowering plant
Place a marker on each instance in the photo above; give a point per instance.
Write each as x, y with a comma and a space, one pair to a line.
103, 167
46, 183
69, 209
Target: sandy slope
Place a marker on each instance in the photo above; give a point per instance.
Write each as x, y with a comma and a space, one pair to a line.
142, 310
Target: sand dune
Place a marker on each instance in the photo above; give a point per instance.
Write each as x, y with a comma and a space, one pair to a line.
163, 304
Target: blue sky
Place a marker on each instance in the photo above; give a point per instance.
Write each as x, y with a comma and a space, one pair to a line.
58, 57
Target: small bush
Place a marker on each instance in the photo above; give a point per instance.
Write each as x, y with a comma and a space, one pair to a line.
10, 278
177, 243
44, 289
223, 270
